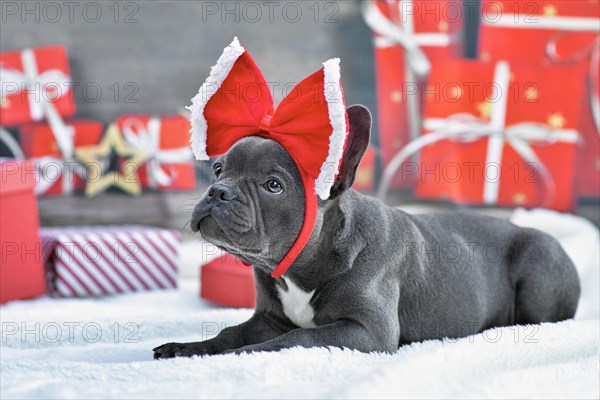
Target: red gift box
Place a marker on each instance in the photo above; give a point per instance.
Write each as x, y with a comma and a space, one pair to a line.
500, 134
227, 281
53, 149
410, 37
553, 32
21, 268
169, 164
31, 80
102, 260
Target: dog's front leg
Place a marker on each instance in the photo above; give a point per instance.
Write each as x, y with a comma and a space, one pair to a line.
344, 333
261, 327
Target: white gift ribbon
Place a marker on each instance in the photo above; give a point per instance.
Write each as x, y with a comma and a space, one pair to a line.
417, 65
147, 138
466, 128
34, 83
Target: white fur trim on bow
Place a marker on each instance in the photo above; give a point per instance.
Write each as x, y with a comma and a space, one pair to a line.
337, 119
218, 74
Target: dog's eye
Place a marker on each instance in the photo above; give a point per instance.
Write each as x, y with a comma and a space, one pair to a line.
273, 186
217, 169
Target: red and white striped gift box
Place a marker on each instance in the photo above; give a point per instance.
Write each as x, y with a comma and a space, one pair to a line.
102, 260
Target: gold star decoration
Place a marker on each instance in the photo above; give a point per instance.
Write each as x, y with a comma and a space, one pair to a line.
396, 96
519, 199
125, 179
485, 57
556, 121
549, 10
485, 109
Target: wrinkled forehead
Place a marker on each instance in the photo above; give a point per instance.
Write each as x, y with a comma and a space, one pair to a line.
260, 155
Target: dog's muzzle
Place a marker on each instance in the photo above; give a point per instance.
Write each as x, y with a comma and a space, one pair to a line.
221, 201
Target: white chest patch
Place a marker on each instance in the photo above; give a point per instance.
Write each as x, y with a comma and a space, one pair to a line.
296, 304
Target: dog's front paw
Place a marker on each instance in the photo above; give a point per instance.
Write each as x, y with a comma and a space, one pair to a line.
170, 350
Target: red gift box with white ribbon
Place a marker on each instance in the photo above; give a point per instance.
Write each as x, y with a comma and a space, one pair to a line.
33, 80
498, 134
550, 32
165, 140
411, 37
103, 260
52, 148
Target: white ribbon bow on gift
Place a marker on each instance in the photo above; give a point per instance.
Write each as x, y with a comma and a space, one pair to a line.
466, 127
417, 64
40, 106
37, 85
66, 165
147, 138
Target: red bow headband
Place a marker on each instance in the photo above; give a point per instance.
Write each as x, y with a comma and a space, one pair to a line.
310, 123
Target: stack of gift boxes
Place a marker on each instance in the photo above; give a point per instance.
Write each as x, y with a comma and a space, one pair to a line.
58, 155
519, 126
37, 99
75, 261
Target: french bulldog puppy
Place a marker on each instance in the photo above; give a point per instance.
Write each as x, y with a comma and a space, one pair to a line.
372, 277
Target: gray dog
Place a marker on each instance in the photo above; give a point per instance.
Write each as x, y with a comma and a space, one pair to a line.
372, 277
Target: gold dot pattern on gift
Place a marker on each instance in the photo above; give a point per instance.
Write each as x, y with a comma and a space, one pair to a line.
556, 121
519, 199
443, 26
485, 109
456, 92
364, 176
531, 93
549, 10
396, 96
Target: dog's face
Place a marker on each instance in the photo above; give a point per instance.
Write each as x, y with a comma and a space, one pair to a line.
255, 207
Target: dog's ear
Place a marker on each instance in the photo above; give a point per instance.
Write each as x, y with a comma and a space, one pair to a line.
359, 122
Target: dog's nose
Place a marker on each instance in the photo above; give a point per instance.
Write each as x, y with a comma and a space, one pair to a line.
220, 192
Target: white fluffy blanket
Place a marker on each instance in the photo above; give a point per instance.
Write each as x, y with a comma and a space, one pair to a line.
101, 348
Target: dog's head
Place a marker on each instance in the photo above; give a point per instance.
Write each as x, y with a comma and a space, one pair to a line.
255, 207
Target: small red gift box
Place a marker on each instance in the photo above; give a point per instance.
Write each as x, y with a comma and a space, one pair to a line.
169, 164
53, 153
553, 32
31, 80
102, 260
500, 134
227, 281
21, 267
410, 37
